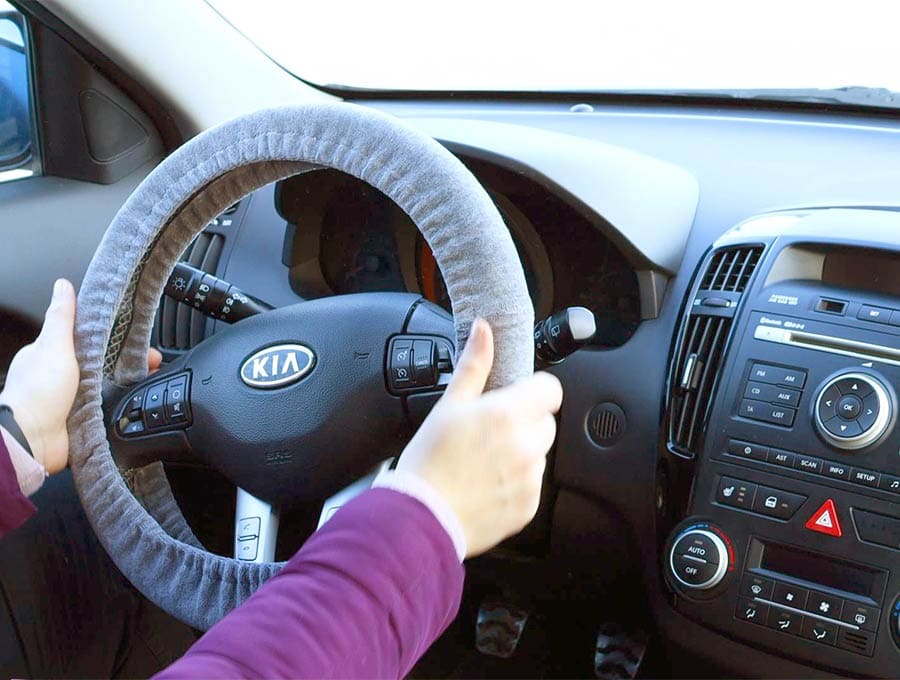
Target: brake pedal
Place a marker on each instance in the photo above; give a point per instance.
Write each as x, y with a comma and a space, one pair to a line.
618, 653
499, 628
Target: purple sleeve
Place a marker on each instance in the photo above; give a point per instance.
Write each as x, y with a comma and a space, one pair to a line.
364, 597
14, 507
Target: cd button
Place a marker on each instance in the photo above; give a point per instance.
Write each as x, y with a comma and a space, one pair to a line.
789, 595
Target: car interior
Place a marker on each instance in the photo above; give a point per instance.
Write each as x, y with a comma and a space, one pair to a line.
714, 278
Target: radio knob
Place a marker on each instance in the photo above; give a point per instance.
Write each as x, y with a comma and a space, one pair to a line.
698, 559
853, 411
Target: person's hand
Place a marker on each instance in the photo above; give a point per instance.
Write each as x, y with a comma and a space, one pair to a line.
42, 380
486, 453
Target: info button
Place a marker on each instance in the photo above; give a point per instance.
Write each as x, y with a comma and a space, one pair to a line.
836, 470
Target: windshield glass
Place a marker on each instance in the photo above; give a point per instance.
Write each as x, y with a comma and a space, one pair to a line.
577, 46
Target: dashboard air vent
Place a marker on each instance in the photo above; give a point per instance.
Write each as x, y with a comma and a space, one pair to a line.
700, 350
179, 327
730, 269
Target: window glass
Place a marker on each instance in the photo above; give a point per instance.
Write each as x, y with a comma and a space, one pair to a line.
18, 157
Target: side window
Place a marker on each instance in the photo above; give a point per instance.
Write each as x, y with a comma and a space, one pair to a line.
18, 148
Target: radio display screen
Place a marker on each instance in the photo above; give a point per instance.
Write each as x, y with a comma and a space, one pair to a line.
851, 578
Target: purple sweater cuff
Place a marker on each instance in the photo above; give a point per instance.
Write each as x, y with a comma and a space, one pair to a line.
15, 508
365, 597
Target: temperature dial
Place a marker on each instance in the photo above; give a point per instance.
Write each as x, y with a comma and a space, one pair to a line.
698, 559
853, 411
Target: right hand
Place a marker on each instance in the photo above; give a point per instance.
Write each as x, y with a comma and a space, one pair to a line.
486, 453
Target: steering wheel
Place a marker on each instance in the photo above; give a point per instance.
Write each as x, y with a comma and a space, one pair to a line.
290, 404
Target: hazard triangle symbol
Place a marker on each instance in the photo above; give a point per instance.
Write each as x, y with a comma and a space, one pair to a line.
825, 520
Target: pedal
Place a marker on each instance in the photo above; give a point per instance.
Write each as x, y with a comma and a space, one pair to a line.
499, 628
619, 652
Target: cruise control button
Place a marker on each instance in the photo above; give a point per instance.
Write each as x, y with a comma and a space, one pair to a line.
735, 493
784, 621
819, 631
693, 571
777, 503
782, 458
864, 477
757, 586
849, 407
836, 470
809, 464
860, 615
792, 596
824, 605
843, 428
697, 545
754, 612
424, 363
747, 449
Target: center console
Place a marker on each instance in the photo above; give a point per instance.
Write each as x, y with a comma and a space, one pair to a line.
783, 393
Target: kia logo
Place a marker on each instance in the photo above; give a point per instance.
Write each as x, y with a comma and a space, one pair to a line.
277, 366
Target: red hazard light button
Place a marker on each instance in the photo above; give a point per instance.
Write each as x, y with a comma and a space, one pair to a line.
825, 520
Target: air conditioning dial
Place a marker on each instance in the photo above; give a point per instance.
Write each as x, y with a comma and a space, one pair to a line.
853, 411
698, 559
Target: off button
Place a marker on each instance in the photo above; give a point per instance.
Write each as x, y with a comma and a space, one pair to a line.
694, 572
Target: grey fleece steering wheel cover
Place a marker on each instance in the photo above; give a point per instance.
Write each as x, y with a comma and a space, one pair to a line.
138, 521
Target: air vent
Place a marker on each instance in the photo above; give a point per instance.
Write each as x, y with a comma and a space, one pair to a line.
731, 269
701, 348
178, 326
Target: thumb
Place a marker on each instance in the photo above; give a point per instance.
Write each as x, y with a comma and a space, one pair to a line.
59, 321
474, 364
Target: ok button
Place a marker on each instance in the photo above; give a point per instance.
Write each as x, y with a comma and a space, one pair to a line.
849, 407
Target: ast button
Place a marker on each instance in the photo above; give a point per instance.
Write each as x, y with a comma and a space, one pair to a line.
777, 503
782, 458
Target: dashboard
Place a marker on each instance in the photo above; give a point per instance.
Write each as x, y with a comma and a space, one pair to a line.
606, 216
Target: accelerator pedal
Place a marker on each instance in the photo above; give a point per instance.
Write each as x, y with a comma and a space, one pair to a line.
619, 652
499, 628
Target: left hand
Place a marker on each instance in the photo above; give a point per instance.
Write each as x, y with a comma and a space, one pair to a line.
43, 378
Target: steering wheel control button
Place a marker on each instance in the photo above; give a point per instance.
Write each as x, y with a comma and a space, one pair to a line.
849, 407
136, 403
247, 549
757, 586
248, 527
691, 571
777, 503
784, 621
736, 493
753, 612
747, 450
418, 363
133, 427
825, 520
819, 631
154, 406
176, 398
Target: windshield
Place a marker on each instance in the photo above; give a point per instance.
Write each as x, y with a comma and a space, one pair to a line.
578, 46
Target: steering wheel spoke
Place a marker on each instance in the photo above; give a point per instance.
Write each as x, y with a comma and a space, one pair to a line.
255, 529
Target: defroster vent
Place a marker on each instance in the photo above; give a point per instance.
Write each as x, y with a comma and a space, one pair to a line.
703, 339
178, 326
